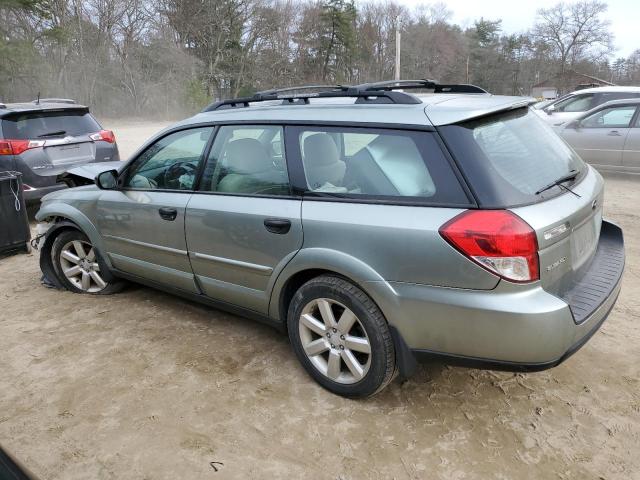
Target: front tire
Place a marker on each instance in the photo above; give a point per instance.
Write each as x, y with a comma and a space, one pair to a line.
77, 266
341, 337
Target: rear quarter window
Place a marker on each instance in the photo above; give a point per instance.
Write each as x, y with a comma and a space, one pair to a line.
33, 125
375, 164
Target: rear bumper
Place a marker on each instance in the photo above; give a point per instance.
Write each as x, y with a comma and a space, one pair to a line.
510, 327
600, 316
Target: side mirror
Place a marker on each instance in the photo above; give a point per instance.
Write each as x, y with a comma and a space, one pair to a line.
107, 180
575, 124
550, 109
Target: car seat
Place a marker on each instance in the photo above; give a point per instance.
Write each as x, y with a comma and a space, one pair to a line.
250, 169
322, 162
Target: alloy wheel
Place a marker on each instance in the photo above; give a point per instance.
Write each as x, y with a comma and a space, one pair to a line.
335, 341
79, 265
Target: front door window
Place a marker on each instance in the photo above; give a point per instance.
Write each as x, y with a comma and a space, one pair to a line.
171, 163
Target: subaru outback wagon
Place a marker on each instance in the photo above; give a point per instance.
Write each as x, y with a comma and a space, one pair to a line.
377, 227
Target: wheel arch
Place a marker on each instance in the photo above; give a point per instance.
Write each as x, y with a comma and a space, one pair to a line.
65, 217
74, 218
311, 263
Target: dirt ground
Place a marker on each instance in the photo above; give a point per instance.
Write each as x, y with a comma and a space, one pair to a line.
143, 385
131, 134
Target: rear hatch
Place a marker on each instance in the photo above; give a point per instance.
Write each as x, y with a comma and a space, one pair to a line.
513, 160
57, 139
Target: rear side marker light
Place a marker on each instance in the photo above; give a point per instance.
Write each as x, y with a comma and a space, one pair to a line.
103, 135
16, 147
497, 240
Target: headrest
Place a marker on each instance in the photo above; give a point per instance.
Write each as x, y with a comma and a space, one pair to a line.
319, 150
247, 156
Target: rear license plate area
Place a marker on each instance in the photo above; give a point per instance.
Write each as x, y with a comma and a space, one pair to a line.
72, 153
584, 240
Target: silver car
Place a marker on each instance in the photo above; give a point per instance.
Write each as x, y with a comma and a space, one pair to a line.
376, 227
569, 107
608, 136
44, 138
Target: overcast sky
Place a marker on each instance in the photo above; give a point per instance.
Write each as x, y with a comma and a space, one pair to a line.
519, 15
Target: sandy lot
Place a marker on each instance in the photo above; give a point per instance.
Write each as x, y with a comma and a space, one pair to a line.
131, 134
144, 385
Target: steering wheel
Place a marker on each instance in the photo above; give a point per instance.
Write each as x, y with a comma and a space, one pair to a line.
174, 172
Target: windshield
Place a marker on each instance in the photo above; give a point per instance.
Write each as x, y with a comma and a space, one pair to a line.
508, 157
35, 125
575, 103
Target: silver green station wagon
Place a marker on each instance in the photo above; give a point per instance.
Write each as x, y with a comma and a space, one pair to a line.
377, 227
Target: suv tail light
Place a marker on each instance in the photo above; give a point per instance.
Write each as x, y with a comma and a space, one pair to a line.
104, 135
497, 240
16, 147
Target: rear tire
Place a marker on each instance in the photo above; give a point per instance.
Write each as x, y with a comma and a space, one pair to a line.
341, 337
77, 266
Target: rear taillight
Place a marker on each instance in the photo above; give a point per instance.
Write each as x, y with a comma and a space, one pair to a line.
103, 135
497, 240
16, 147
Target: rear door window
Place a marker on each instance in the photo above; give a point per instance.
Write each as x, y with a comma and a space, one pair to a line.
247, 160
376, 164
36, 125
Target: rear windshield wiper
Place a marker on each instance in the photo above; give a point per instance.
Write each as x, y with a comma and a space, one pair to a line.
53, 134
559, 181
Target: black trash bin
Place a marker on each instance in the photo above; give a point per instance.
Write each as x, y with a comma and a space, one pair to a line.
14, 224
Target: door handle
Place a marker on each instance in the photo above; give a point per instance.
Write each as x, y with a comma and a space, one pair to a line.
168, 213
277, 225
614, 133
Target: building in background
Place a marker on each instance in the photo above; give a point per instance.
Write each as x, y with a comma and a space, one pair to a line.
552, 87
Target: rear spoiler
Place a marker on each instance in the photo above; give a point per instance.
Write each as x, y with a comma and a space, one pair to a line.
46, 109
449, 116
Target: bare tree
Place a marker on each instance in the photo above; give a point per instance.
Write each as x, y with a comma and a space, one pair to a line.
150, 57
573, 31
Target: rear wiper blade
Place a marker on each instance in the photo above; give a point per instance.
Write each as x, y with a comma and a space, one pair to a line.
559, 181
53, 134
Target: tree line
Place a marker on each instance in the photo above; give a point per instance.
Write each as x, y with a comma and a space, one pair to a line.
171, 57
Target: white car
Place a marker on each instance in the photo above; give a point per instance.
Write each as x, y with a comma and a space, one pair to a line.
571, 106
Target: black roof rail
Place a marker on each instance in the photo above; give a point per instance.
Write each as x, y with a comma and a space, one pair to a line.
390, 85
339, 91
302, 87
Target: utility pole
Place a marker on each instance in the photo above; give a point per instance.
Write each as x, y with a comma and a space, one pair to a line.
398, 48
467, 69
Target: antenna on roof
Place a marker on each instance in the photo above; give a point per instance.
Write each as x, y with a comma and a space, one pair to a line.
38, 99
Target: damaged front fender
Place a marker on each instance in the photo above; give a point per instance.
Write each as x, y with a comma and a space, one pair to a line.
49, 272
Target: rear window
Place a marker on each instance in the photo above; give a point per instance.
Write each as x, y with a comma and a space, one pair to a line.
510, 156
377, 164
41, 124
